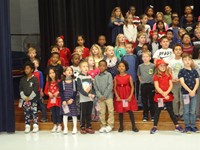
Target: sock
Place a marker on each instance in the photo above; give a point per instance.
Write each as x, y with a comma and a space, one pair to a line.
74, 118
121, 116
65, 121
132, 118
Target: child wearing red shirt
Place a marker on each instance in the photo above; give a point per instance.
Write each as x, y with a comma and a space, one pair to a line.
163, 96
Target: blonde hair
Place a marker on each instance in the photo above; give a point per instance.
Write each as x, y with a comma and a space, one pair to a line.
186, 55
117, 43
158, 72
159, 13
146, 52
141, 34
196, 30
113, 16
87, 59
108, 47
82, 62
100, 55
31, 49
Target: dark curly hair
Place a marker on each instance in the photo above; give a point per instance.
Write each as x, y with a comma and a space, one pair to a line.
30, 64
125, 64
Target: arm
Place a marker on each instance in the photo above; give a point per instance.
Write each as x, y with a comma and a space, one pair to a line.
184, 85
132, 89
35, 89
196, 85
109, 88
22, 95
139, 74
97, 89
60, 86
115, 90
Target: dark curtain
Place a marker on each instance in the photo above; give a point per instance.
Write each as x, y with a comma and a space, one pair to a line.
90, 18
7, 121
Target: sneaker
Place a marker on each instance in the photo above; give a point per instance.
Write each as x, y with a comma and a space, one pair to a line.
54, 129
44, 120
83, 131
102, 130
59, 129
27, 128
74, 131
179, 129
153, 130
188, 130
35, 128
121, 129
195, 129
145, 119
134, 129
89, 130
108, 129
65, 131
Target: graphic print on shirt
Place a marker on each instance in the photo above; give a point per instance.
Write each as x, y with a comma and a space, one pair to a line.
164, 54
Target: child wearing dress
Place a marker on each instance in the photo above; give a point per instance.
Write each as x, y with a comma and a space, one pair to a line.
81, 42
52, 90
111, 60
28, 88
96, 53
120, 46
103, 84
67, 88
124, 97
189, 79
86, 92
163, 96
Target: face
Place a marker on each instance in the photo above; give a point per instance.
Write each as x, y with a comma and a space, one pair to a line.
117, 12
121, 68
28, 70
36, 63
145, 48
68, 71
102, 67
160, 25
150, 12
155, 36
79, 51
130, 18
110, 52
54, 50
80, 41
121, 38
60, 43
132, 10
142, 39
144, 19
175, 21
95, 51
90, 61
84, 67
167, 9
55, 58
159, 17
170, 35
186, 39
52, 74
32, 54
162, 67
76, 60
164, 43
102, 41
129, 49
187, 61
178, 51
146, 58
189, 18
188, 10
197, 34
181, 32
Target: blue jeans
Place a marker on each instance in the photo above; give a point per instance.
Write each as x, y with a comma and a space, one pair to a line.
189, 112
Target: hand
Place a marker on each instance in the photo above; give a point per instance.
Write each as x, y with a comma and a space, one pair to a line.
117, 24
102, 98
41, 93
70, 101
88, 89
121, 23
129, 99
27, 99
192, 93
118, 98
56, 94
164, 94
167, 97
64, 103
50, 95
91, 95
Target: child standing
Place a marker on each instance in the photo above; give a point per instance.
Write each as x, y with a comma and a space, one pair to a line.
154, 41
116, 23
189, 25
111, 60
124, 96
186, 41
120, 46
160, 17
28, 88
86, 92
64, 51
132, 11
189, 79
144, 20
168, 14
170, 37
150, 14
75, 59
92, 69
163, 96
96, 53
102, 43
67, 88
161, 29
145, 75
51, 89
175, 27
103, 85
81, 42
175, 65
38, 74
32, 54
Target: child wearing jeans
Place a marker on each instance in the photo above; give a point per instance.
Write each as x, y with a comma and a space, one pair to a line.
103, 84
28, 88
189, 80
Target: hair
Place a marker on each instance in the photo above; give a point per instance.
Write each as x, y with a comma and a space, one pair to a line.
186, 55
102, 36
196, 30
159, 13
170, 30
180, 32
82, 62
31, 49
177, 45
64, 76
104, 61
160, 21
30, 64
78, 47
147, 9
148, 46
146, 52
196, 52
126, 20
158, 72
81, 37
125, 64
188, 7
140, 27
100, 55
141, 34
162, 38
129, 43
186, 34
117, 40
49, 80
109, 46
55, 53
113, 17
142, 16
174, 17
75, 54
37, 60
87, 59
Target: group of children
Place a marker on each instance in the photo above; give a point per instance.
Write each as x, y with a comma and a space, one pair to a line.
141, 70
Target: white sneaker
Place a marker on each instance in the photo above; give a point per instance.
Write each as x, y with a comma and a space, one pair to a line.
27, 128
102, 130
108, 129
35, 128
59, 129
74, 131
54, 129
65, 131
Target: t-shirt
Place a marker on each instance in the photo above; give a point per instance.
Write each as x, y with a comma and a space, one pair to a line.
138, 53
176, 66
166, 54
163, 81
146, 73
188, 50
189, 78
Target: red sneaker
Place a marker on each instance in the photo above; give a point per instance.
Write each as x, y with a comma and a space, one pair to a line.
89, 130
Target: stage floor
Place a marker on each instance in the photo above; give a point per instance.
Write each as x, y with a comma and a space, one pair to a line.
44, 140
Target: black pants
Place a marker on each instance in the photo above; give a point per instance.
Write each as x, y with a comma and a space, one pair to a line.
147, 94
86, 111
169, 107
56, 117
43, 109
